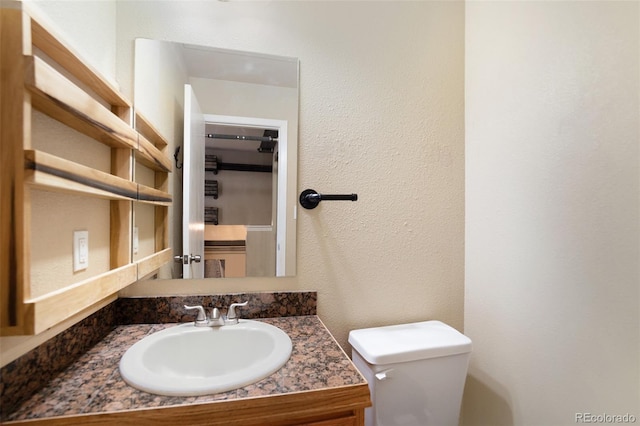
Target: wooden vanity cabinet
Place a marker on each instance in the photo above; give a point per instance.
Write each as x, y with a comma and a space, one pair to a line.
342, 406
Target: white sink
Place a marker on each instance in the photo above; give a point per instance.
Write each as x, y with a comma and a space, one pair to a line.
186, 360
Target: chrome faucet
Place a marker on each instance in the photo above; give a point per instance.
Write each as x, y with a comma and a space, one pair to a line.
216, 320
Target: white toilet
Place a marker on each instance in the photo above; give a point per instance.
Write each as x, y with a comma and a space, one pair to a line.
416, 372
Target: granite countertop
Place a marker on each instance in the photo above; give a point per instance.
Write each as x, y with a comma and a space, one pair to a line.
93, 383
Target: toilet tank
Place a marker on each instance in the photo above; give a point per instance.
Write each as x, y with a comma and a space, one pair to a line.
416, 372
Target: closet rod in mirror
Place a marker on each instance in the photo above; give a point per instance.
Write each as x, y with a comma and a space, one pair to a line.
242, 137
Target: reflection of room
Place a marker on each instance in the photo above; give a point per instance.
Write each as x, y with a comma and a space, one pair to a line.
250, 93
240, 180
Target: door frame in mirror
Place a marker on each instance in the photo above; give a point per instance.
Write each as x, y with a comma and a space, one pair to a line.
283, 197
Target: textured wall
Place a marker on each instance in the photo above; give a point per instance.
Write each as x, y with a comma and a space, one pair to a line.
552, 211
381, 114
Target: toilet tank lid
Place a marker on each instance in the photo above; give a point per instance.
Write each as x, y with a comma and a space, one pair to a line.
408, 342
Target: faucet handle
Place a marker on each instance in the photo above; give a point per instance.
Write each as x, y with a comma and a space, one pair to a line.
202, 316
232, 317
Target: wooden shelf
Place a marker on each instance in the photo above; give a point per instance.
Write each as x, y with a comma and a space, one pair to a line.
57, 49
55, 307
153, 196
58, 97
151, 139
151, 156
150, 264
46, 171
153, 143
147, 129
45, 74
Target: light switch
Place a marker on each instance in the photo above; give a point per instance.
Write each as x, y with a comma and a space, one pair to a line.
80, 250
136, 241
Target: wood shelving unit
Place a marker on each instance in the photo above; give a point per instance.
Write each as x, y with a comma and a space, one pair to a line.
41, 72
151, 141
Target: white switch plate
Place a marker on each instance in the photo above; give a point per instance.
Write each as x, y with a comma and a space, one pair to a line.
136, 241
80, 250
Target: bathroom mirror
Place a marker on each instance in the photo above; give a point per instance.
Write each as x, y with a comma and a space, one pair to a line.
238, 174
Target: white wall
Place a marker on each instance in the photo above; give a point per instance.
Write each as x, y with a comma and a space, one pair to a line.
552, 211
89, 27
381, 114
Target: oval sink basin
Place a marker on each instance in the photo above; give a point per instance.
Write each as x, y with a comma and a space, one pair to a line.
186, 360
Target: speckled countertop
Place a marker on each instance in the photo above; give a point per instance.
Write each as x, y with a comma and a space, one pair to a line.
93, 383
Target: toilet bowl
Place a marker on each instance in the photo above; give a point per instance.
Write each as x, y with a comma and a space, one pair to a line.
416, 372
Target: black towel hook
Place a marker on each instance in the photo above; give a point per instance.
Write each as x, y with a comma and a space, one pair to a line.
175, 156
309, 198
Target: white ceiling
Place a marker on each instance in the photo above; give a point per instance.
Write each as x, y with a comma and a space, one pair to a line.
235, 65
